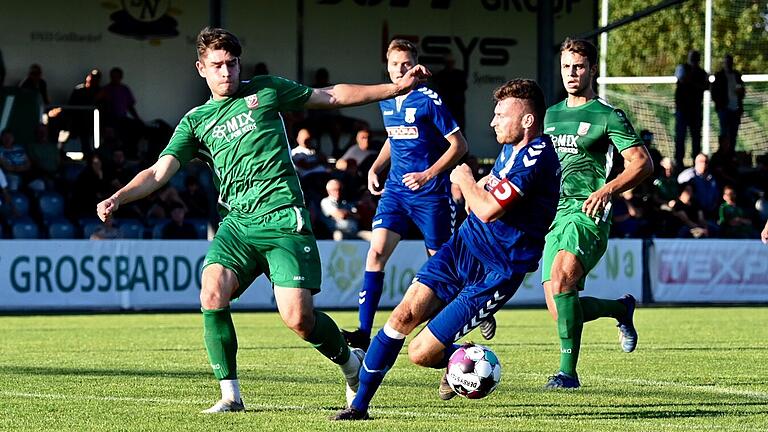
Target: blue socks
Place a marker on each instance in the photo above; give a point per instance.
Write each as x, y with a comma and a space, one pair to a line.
380, 357
370, 294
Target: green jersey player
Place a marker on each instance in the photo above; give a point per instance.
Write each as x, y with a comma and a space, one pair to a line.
239, 132
585, 130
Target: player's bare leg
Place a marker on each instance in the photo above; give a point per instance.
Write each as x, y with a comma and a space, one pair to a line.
297, 310
218, 285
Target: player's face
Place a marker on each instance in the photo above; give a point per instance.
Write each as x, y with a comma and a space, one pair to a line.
221, 71
508, 121
398, 63
576, 72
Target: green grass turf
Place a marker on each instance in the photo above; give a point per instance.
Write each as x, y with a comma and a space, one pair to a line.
695, 369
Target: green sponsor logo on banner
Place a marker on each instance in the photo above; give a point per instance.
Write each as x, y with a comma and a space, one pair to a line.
345, 266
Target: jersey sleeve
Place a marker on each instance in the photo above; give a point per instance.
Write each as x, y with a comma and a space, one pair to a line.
183, 144
621, 132
441, 117
291, 96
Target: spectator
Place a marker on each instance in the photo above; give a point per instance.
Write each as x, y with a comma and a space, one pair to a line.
360, 151
707, 194
91, 187
6, 204
45, 156
329, 121
665, 187
339, 215
117, 102
34, 81
627, 216
692, 81
346, 171
163, 201
451, 84
306, 157
693, 224
647, 137
14, 160
106, 231
728, 94
260, 69
195, 199
732, 218
84, 95
178, 228
118, 173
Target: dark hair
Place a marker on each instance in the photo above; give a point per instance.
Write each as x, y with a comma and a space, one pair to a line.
525, 89
214, 38
580, 46
403, 45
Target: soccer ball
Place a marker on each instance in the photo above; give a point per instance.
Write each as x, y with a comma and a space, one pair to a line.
474, 371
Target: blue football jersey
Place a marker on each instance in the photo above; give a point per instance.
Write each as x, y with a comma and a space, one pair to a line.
417, 125
515, 241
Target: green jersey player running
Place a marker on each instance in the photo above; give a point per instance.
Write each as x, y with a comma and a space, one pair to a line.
239, 132
585, 130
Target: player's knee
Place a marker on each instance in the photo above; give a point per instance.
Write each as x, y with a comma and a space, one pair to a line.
300, 323
421, 354
403, 319
213, 298
376, 256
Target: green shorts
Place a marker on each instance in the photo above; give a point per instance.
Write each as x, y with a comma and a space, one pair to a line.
279, 244
578, 234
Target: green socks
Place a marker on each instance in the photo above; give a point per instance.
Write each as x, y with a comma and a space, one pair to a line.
220, 342
570, 322
327, 339
593, 308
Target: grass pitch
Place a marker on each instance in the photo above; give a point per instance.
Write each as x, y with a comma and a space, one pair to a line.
694, 369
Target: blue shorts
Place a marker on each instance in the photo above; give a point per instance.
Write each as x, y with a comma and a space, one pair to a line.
471, 290
433, 215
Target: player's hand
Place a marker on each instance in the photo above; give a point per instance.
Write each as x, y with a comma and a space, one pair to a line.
416, 75
764, 234
106, 208
597, 203
462, 173
373, 183
415, 180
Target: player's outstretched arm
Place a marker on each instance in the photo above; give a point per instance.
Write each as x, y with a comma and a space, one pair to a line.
375, 182
457, 149
479, 201
143, 184
342, 95
637, 167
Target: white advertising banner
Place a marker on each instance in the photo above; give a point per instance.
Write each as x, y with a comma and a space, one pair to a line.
706, 271
139, 274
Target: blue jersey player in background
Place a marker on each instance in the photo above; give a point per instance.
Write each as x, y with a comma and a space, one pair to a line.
479, 269
423, 141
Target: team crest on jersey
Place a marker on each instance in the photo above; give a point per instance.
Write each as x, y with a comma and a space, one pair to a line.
410, 115
252, 101
583, 128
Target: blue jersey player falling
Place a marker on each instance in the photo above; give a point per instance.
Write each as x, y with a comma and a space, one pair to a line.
423, 141
480, 268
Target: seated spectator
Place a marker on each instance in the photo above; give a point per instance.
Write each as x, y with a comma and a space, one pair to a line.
162, 202
346, 172
627, 216
647, 137
339, 215
361, 149
118, 173
195, 199
707, 194
106, 231
45, 156
14, 160
690, 215
307, 159
732, 219
178, 228
665, 187
90, 188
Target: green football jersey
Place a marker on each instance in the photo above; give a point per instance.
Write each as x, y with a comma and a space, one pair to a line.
243, 139
584, 138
